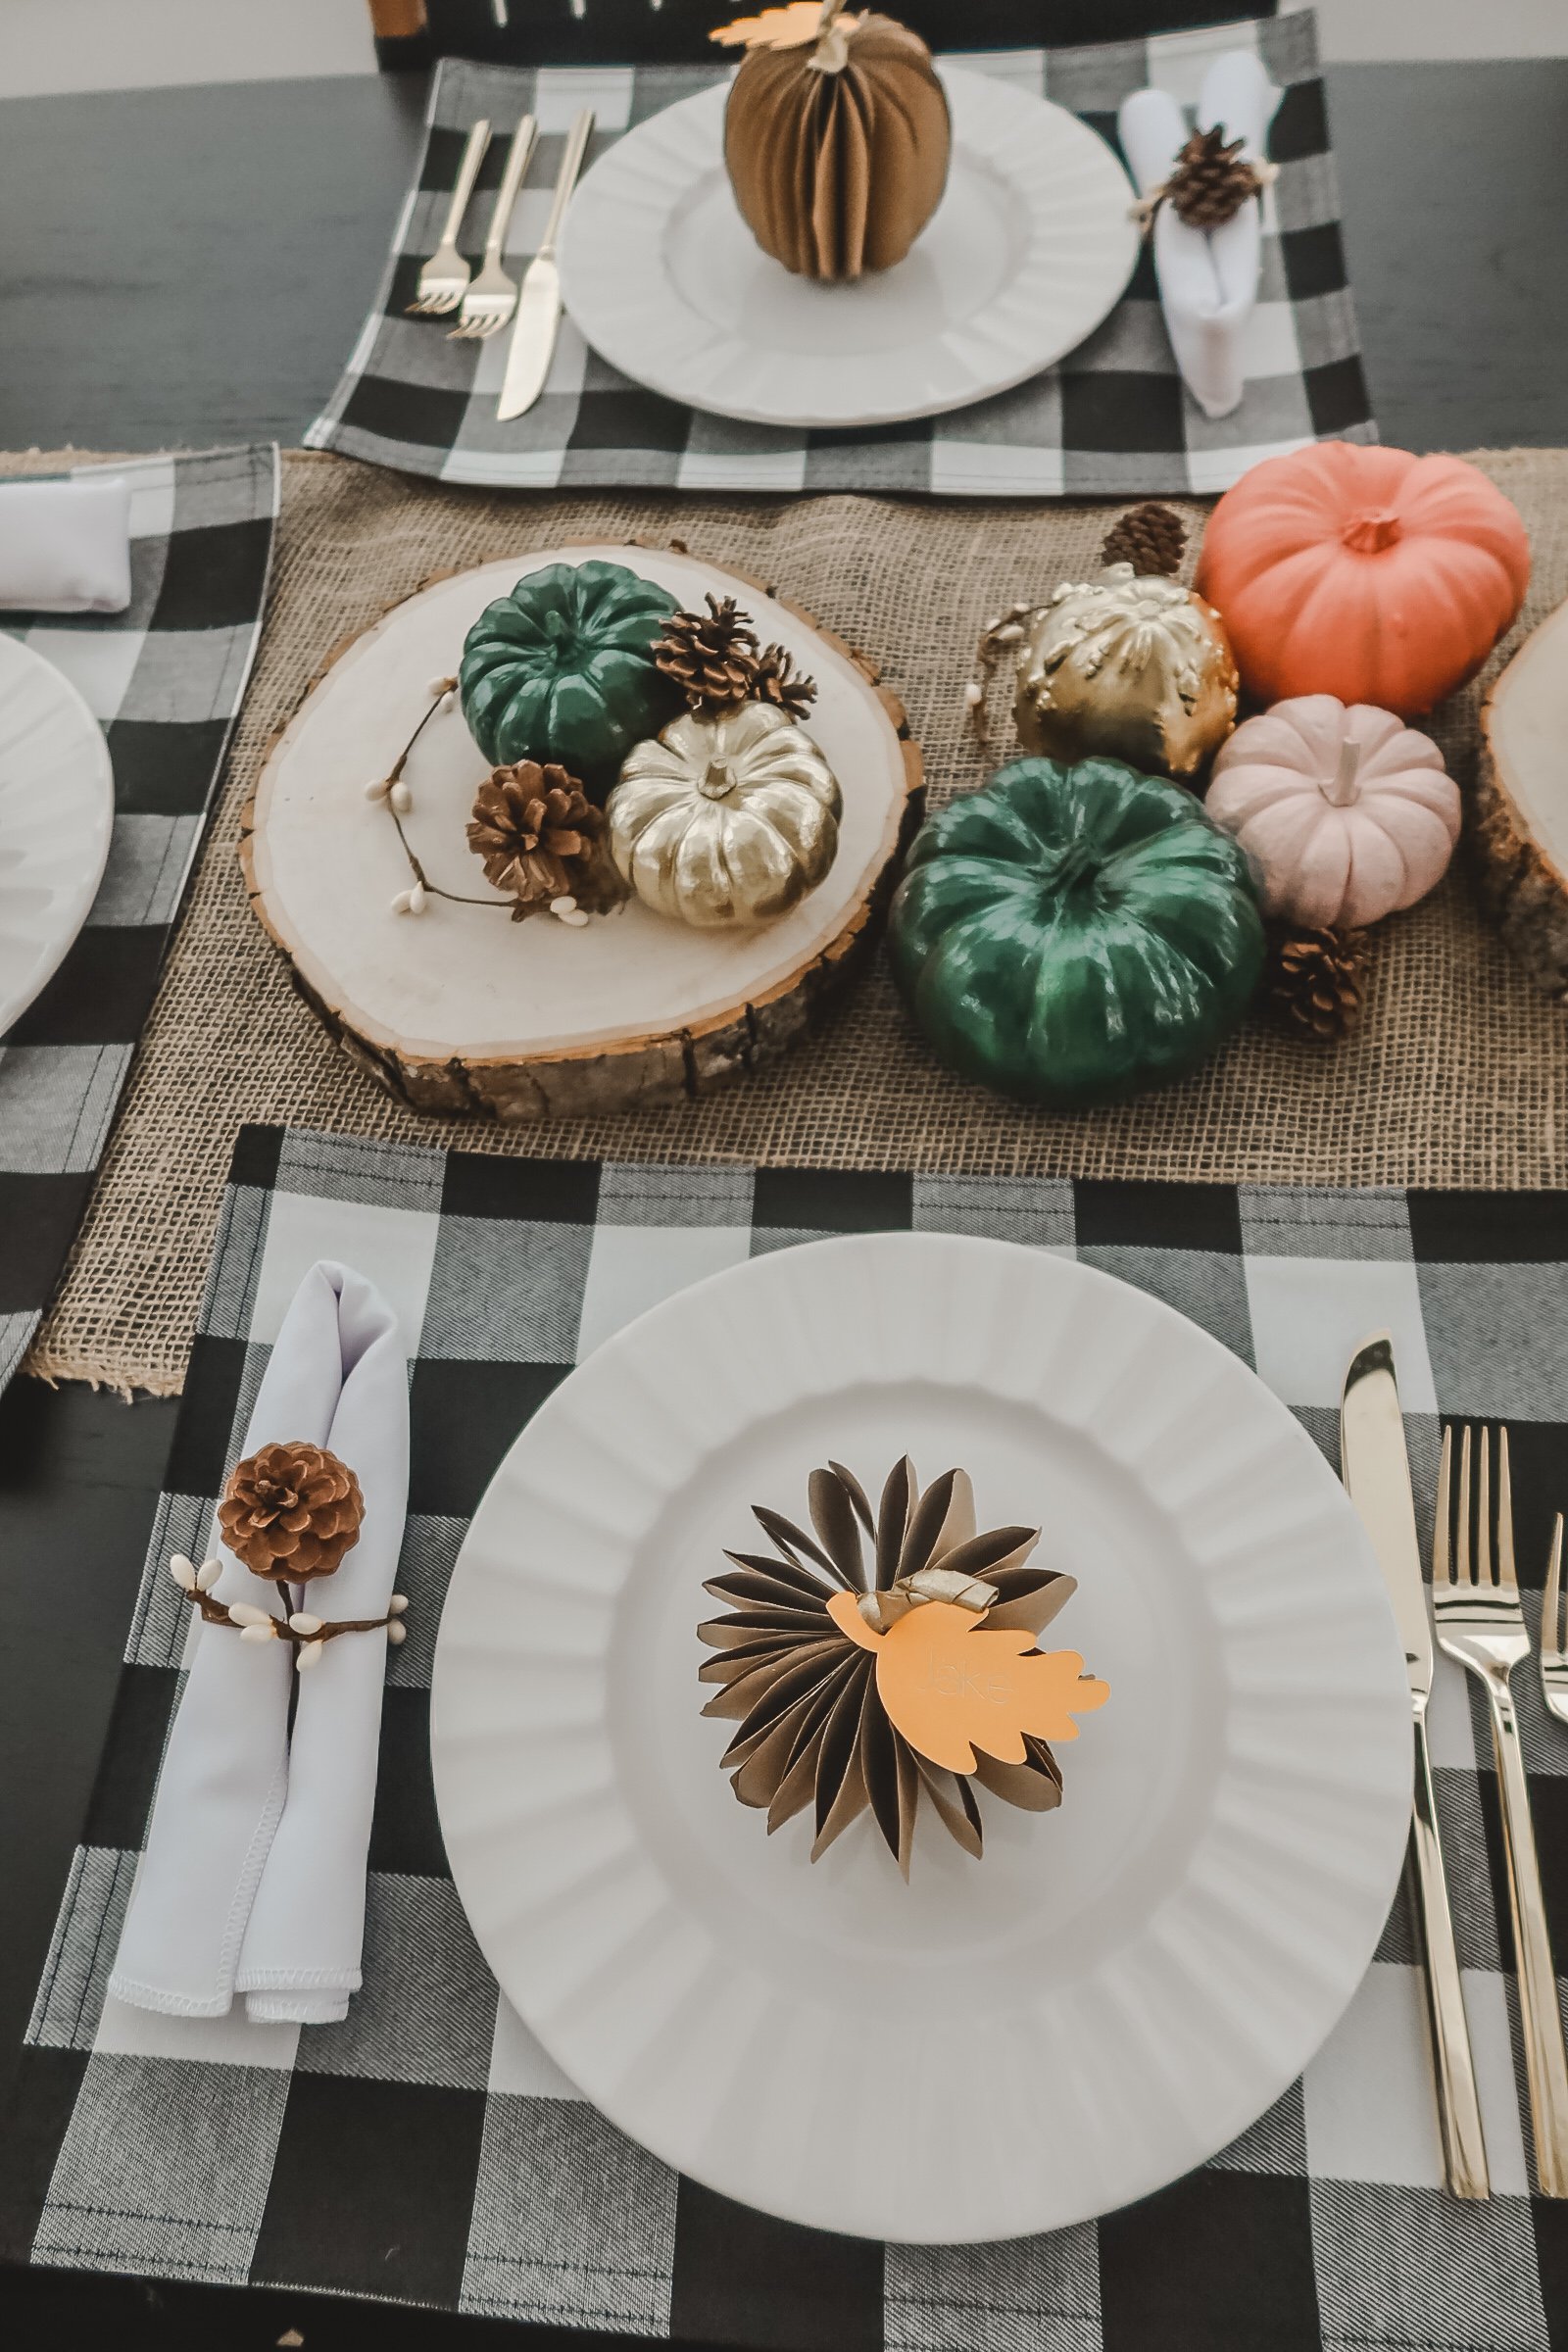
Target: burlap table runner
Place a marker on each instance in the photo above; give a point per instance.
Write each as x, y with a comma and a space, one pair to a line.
1459, 1076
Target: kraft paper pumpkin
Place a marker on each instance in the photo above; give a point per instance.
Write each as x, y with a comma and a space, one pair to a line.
837, 144
1071, 934
1367, 573
725, 820
1347, 815
562, 671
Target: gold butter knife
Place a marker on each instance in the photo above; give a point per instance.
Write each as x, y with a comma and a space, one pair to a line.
533, 337
1377, 1472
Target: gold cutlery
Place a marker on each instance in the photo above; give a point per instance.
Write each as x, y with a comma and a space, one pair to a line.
533, 338
1377, 1473
492, 297
446, 273
1475, 1598
1554, 1653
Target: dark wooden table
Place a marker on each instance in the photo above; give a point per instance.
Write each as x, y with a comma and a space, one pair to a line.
187, 267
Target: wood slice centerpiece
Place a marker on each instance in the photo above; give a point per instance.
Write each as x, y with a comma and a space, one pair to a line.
1521, 824
462, 1010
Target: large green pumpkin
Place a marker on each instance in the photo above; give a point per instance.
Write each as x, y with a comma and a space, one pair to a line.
563, 669
1070, 934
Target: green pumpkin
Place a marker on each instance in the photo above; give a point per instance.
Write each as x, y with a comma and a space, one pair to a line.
1071, 934
563, 669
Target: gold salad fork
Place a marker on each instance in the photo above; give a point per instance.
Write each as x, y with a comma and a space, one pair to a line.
1479, 1622
446, 273
493, 296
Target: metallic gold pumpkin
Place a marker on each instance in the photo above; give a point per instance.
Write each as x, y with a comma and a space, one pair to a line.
725, 820
1129, 669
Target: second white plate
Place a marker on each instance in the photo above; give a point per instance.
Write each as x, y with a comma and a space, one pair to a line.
1029, 249
1116, 1990
57, 812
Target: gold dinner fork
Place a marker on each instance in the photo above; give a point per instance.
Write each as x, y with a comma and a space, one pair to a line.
446, 273
1554, 1653
493, 296
1479, 1622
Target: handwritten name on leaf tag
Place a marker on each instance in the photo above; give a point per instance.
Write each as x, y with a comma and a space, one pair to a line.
951, 1683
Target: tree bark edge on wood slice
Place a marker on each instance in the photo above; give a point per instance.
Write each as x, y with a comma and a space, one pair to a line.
656, 1069
1523, 877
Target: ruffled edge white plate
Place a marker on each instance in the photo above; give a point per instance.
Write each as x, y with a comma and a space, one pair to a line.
1030, 248
57, 812
1116, 1990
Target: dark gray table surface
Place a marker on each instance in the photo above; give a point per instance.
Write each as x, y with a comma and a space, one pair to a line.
189, 266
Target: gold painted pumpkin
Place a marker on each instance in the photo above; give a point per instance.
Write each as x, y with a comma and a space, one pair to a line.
725, 820
837, 145
1126, 667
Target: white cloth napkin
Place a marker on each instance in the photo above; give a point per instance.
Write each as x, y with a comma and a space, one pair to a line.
1208, 277
252, 1877
65, 547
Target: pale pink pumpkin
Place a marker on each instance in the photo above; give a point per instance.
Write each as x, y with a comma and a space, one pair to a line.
1347, 813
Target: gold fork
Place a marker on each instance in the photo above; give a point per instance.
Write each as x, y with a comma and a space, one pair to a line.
446, 273
492, 297
1479, 1622
1554, 1653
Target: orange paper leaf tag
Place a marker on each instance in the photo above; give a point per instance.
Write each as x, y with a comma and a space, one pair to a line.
952, 1685
788, 27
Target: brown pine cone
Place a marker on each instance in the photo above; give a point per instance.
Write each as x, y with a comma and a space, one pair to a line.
777, 680
291, 1510
541, 838
1208, 182
1317, 981
711, 656
1151, 538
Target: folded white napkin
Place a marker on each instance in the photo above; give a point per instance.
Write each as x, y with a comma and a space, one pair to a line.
65, 547
1208, 277
252, 1877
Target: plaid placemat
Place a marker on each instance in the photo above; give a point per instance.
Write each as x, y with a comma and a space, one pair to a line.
427, 2150
582, 31
164, 679
1113, 419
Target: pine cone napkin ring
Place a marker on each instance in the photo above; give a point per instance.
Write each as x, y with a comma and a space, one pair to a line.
291, 1512
1208, 182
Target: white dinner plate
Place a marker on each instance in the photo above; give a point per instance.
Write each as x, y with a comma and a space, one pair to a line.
1113, 1992
1027, 252
57, 810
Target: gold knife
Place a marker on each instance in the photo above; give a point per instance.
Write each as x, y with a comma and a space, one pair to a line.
533, 337
1376, 1469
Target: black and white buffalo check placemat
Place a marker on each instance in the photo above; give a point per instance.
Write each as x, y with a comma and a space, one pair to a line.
164, 679
1113, 419
426, 2149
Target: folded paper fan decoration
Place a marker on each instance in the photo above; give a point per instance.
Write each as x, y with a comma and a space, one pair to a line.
863, 1685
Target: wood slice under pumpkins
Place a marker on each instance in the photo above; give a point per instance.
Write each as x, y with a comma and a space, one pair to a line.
461, 1011
1520, 834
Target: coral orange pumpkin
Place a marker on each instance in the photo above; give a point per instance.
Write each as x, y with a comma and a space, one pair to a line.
1367, 573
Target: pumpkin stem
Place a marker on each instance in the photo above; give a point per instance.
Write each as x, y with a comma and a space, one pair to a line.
1344, 788
1368, 533
832, 52
718, 781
